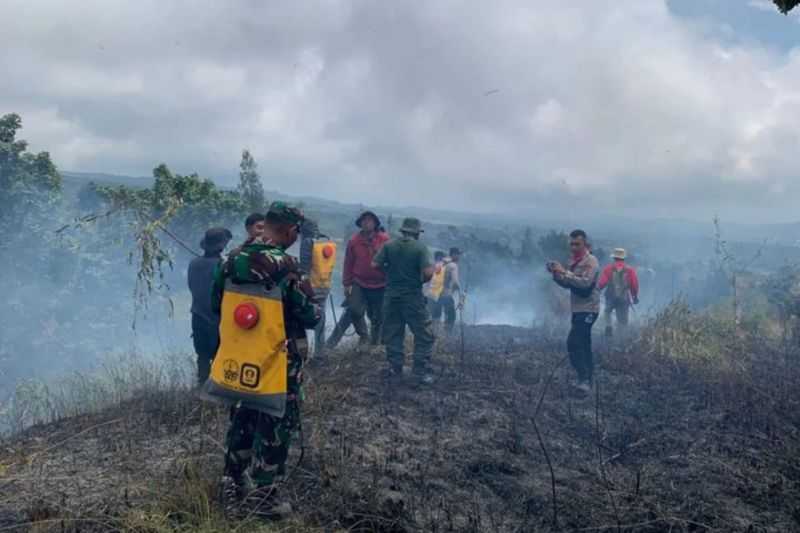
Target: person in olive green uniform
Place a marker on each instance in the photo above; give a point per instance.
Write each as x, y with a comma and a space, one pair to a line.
407, 264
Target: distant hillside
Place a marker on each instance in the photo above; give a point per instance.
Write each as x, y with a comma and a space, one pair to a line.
77, 179
680, 239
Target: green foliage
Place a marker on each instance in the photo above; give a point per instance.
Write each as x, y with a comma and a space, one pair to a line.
199, 200
174, 205
250, 188
29, 183
786, 5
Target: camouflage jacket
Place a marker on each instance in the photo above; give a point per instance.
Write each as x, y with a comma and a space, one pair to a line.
268, 264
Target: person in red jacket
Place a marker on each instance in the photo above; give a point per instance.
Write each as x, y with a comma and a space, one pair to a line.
622, 289
363, 284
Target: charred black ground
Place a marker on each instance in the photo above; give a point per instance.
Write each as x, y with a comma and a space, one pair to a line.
661, 445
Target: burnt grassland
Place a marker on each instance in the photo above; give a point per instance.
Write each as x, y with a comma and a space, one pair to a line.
693, 427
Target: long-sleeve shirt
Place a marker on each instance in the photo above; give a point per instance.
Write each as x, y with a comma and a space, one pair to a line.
581, 279
631, 279
200, 277
358, 258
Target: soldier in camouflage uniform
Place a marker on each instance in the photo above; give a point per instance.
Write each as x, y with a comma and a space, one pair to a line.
407, 263
258, 442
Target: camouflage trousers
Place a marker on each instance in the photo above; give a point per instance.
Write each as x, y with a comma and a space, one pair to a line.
411, 310
258, 443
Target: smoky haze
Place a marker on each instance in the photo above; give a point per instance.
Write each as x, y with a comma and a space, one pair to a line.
531, 107
492, 122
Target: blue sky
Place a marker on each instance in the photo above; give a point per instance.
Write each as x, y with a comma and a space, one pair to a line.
743, 21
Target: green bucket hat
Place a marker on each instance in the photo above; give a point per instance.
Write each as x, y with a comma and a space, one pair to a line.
283, 213
411, 225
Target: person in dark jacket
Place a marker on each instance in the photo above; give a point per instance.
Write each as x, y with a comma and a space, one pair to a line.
364, 284
205, 322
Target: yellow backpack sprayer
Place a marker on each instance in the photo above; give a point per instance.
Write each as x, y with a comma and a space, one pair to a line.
250, 365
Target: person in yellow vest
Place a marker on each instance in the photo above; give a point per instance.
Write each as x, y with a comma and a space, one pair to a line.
265, 307
434, 288
318, 260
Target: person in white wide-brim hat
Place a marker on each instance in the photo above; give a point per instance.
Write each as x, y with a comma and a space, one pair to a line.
621, 284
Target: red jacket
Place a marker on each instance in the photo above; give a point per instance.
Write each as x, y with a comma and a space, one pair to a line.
630, 277
358, 261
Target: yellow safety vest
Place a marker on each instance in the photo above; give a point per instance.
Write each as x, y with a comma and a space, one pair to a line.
252, 360
437, 281
323, 261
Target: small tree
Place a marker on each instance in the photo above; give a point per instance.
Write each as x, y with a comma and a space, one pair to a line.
176, 204
29, 183
30, 192
732, 266
250, 187
786, 5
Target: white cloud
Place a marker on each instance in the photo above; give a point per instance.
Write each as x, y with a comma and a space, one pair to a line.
73, 145
496, 105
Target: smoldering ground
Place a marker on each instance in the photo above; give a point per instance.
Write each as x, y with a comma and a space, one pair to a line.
500, 443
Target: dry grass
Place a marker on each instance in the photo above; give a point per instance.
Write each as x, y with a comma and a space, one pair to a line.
115, 380
661, 447
684, 335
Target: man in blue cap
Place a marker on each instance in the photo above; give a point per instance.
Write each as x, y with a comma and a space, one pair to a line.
205, 321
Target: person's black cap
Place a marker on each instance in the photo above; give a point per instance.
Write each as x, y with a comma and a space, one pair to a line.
216, 239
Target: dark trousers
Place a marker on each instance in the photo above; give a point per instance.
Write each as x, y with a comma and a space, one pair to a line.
205, 336
449, 308
360, 302
321, 299
435, 309
579, 345
621, 309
